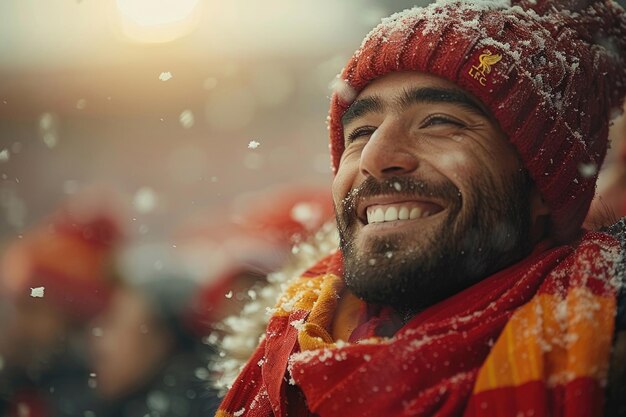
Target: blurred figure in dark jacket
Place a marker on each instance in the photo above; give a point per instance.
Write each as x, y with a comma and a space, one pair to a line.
234, 250
242, 254
148, 355
55, 279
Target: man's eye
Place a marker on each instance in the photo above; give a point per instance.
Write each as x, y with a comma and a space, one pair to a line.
360, 132
438, 120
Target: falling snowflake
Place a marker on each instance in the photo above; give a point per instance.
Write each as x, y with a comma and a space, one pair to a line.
37, 292
229, 294
48, 129
253, 144
145, 200
165, 76
588, 170
50, 139
158, 402
4, 155
186, 119
81, 104
202, 373
46, 121
307, 214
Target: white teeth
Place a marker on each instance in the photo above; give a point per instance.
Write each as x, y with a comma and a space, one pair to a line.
378, 216
415, 213
391, 214
394, 213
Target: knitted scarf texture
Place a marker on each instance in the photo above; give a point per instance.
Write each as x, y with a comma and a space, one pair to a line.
531, 340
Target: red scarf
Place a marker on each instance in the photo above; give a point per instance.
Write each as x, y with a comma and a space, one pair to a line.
531, 340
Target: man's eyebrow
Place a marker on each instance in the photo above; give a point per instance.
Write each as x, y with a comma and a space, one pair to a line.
431, 95
362, 107
439, 95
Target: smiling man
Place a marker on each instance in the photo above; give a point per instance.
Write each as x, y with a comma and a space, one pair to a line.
465, 139
426, 176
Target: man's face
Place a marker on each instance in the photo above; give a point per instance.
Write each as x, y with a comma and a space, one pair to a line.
430, 197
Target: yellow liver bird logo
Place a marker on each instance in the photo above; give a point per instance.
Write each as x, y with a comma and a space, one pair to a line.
486, 61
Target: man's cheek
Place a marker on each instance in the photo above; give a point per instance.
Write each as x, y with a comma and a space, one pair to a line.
339, 191
455, 165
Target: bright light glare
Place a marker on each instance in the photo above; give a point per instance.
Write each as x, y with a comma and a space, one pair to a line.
157, 20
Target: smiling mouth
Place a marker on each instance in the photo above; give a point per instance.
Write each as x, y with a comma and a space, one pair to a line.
382, 213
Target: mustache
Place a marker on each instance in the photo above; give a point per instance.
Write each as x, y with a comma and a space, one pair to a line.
404, 186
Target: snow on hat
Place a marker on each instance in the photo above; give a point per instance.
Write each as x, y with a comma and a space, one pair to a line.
65, 260
551, 72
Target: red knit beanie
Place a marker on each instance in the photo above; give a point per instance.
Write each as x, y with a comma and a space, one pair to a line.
551, 72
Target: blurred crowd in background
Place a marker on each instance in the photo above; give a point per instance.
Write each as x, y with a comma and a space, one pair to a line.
157, 162
96, 324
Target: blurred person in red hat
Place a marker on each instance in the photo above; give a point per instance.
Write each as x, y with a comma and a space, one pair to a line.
254, 236
55, 279
465, 138
149, 355
238, 257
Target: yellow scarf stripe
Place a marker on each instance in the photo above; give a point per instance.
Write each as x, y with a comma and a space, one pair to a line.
300, 295
552, 339
315, 332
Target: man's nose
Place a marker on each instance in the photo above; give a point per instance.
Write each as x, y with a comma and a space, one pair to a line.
388, 153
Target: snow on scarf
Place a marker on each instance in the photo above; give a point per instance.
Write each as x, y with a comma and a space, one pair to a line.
531, 340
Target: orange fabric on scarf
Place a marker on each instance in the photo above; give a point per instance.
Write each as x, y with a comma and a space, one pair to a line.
533, 339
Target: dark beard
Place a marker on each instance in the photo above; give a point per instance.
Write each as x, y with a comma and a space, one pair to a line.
468, 247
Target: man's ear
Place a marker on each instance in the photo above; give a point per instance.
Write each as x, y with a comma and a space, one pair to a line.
539, 215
